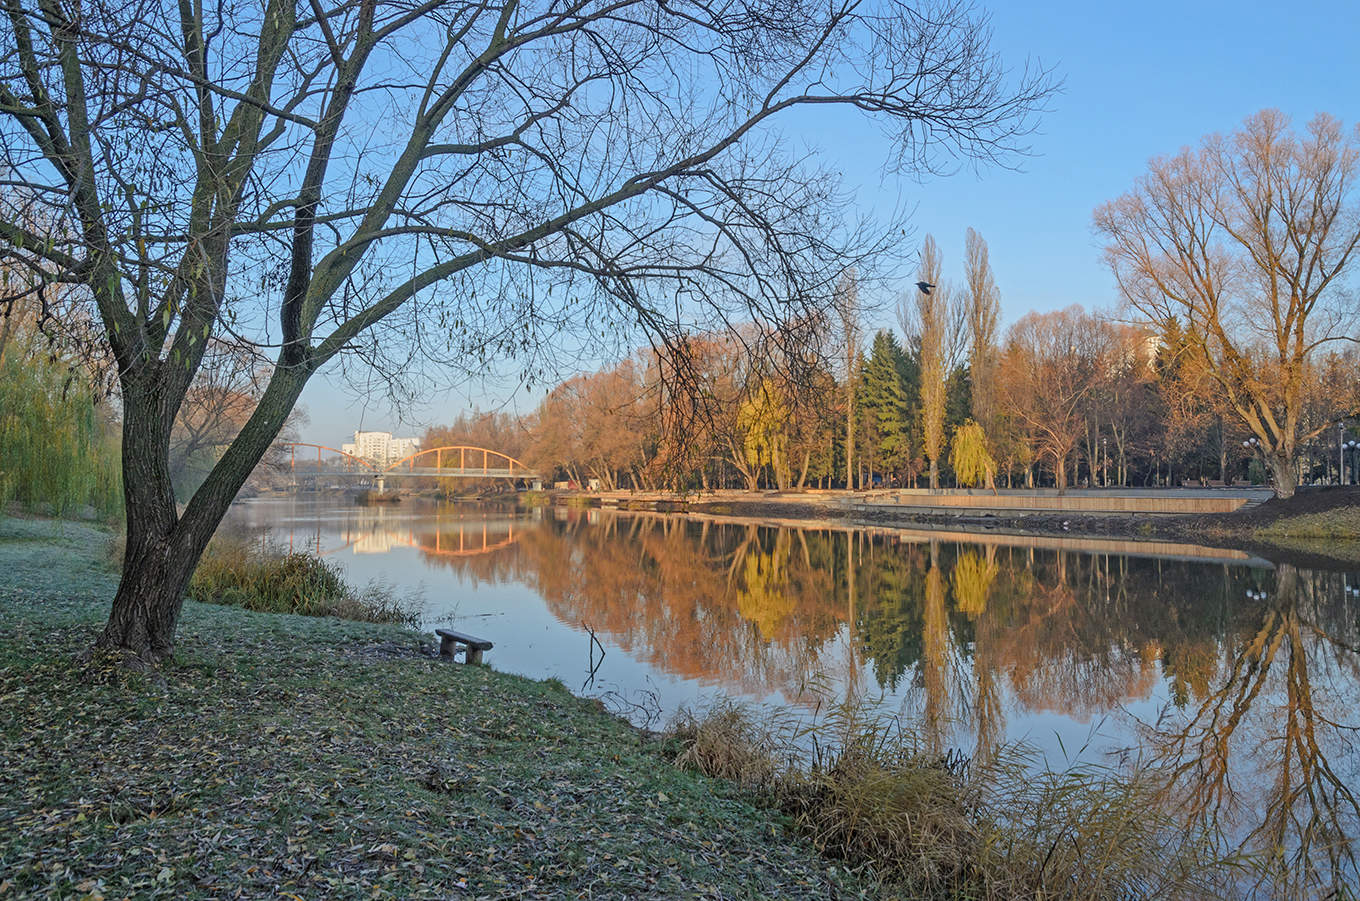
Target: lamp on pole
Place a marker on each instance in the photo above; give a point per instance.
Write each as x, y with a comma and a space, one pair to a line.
1341, 453
1352, 446
1253, 446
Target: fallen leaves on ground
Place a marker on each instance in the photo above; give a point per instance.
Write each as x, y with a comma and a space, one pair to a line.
295, 757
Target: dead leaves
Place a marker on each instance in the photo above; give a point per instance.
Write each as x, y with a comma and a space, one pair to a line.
283, 757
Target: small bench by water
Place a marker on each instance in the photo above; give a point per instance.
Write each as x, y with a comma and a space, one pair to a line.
450, 641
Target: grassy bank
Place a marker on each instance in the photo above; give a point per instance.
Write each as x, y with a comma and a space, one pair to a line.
286, 756
1337, 524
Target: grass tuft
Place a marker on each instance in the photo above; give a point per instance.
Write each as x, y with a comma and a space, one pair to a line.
268, 580
942, 826
729, 742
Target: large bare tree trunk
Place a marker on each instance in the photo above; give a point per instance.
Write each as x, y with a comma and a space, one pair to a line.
155, 570
1282, 469
163, 548
157, 566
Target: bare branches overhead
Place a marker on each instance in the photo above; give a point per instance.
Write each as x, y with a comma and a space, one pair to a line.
407, 180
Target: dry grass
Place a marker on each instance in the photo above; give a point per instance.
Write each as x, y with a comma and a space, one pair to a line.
1092, 831
728, 742
1339, 523
272, 581
932, 826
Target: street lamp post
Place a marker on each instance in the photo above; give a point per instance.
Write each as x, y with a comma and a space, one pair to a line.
1341, 453
1253, 446
1352, 446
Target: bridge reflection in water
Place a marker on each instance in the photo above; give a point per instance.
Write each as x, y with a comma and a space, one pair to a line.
376, 533
1239, 675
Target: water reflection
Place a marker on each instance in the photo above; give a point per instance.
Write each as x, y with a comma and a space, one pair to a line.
1241, 677
1267, 746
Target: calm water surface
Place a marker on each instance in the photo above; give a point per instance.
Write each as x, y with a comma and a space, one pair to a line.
1244, 673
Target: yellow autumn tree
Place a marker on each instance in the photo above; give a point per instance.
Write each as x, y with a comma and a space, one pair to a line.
763, 420
972, 581
972, 461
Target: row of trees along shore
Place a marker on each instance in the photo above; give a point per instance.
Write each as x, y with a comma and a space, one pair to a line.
1062, 398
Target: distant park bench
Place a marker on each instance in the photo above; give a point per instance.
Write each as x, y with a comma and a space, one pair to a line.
449, 641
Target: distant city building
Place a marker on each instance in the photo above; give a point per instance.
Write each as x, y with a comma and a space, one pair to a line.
1152, 346
400, 448
381, 447
1134, 347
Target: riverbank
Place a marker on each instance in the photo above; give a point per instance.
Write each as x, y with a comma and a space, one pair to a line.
1316, 527
288, 756
300, 757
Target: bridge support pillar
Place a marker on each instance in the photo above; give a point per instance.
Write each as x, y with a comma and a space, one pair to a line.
381, 484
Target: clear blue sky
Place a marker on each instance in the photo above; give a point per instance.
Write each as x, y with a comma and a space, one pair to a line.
1140, 80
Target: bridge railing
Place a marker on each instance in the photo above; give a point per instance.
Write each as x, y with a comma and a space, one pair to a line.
472, 462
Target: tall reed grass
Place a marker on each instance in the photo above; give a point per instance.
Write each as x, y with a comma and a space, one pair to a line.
867, 791
244, 574
59, 449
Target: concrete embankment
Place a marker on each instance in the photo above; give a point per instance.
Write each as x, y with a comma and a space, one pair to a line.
1076, 502
1099, 501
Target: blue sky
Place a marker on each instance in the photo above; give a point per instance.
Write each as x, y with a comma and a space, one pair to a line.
1139, 80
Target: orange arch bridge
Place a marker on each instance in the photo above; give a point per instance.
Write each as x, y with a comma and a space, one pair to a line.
458, 461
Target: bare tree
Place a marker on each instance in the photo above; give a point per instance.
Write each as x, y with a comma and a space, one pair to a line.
847, 308
935, 317
386, 181
1052, 364
218, 403
1248, 241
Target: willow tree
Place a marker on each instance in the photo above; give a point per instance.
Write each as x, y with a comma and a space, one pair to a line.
1249, 242
973, 463
763, 419
399, 181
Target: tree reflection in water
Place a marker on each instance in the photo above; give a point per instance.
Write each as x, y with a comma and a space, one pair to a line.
1257, 668
1267, 753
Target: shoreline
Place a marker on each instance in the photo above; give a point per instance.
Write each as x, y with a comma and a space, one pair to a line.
1240, 530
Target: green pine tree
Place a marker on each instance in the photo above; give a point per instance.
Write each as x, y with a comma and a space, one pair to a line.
886, 398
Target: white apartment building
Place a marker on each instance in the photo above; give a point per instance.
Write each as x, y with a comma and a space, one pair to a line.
381, 447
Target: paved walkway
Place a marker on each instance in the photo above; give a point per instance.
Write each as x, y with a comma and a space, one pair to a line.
1076, 501
1102, 501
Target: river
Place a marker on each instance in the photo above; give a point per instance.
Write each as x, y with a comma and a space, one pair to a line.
1243, 672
